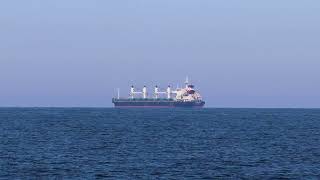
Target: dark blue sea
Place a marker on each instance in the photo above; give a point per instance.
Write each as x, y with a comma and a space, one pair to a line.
106, 143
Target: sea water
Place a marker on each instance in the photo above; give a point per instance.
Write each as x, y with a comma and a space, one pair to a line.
107, 143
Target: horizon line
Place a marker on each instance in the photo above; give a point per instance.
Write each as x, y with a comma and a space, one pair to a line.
111, 107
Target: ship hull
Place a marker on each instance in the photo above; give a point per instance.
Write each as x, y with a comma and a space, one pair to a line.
129, 103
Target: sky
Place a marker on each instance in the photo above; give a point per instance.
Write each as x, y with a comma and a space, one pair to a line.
76, 53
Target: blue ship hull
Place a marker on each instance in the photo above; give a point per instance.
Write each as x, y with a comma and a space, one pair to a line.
155, 103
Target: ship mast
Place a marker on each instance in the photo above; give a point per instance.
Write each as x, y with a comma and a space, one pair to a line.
187, 82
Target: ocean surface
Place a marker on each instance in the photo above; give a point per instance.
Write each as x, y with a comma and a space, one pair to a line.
107, 143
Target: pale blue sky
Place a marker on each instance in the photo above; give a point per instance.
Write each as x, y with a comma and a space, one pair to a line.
244, 53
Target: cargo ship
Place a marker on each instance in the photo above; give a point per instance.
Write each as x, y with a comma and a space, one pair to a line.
168, 98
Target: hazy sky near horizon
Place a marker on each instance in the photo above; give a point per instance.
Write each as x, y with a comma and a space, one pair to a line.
244, 53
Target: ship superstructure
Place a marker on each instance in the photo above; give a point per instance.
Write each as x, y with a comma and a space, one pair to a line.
180, 97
